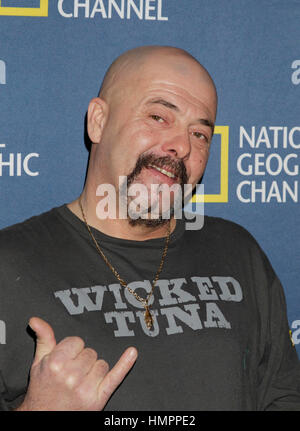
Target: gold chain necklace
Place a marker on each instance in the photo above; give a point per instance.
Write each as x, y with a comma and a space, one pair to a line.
145, 301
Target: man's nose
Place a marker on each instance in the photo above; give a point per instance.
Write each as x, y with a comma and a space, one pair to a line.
177, 145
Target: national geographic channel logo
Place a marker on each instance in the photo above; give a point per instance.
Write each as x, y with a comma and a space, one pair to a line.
125, 9
269, 164
221, 195
37, 8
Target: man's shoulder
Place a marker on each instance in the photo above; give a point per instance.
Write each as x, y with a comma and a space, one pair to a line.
29, 232
224, 237
36, 221
236, 242
223, 229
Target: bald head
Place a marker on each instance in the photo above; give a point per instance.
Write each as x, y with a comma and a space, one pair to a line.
135, 64
157, 105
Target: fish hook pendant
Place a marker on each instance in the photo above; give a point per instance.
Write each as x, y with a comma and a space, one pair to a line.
148, 317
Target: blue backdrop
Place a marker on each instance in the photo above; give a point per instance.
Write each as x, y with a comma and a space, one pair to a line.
53, 55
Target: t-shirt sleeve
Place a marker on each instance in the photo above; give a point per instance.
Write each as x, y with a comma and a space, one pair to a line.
279, 367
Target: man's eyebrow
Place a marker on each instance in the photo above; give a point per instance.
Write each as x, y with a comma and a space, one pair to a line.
169, 105
206, 122
165, 103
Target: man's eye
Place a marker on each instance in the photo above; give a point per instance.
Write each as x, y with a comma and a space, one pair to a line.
157, 118
200, 135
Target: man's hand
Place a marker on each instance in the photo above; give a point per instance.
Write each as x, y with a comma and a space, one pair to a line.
67, 376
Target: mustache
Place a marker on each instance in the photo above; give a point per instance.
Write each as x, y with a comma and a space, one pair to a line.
144, 161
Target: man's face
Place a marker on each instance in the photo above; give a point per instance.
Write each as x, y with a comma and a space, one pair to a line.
160, 125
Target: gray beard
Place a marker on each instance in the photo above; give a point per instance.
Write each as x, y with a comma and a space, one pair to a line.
161, 218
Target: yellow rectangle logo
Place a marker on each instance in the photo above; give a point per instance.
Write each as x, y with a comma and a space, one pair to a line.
42, 10
223, 195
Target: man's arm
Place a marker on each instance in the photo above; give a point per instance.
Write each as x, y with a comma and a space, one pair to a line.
279, 369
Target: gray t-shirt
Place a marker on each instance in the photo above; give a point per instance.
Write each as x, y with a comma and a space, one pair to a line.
220, 339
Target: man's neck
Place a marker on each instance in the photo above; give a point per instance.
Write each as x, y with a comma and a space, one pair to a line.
118, 228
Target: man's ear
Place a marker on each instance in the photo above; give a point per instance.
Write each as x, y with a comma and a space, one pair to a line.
96, 119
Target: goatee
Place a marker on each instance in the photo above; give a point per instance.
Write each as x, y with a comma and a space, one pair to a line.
177, 167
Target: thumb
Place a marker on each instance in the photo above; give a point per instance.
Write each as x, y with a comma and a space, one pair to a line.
45, 341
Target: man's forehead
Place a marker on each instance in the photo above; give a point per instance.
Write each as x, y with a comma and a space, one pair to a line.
179, 95
179, 72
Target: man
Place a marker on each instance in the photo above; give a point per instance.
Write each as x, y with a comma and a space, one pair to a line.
192, 320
